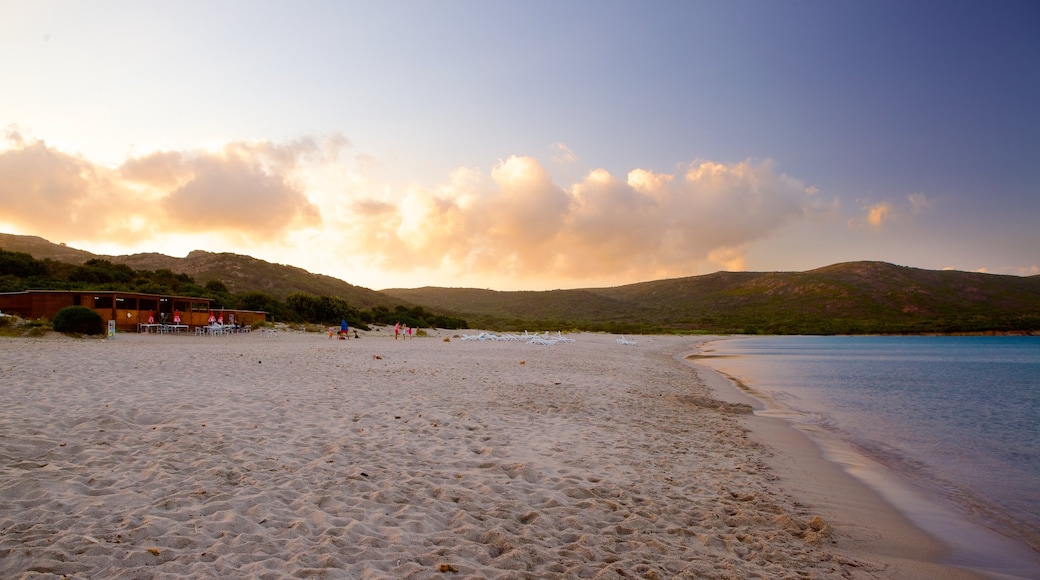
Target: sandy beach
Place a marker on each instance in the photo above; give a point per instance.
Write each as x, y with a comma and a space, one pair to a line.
292, 455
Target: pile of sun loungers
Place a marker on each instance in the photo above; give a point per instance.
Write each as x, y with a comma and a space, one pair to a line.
220, 330
544, 339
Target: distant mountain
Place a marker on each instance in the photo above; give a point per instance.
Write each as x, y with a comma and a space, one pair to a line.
239, 273
853, 298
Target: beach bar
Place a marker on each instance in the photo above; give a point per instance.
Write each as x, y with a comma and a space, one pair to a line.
130, 310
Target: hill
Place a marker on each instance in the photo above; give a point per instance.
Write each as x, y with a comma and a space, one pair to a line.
242, 273
42, 249
855, 297
239, 273
852, 298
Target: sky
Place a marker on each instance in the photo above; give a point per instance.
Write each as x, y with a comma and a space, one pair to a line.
527, 145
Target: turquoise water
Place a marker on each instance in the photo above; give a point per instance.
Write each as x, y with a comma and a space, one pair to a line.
959, 416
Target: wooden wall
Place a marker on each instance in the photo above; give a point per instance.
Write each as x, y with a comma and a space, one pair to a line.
127, 309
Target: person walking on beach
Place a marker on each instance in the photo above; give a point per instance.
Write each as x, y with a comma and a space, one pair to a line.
397, 329
344, 330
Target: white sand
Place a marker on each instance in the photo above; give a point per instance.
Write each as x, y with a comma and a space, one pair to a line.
298, 456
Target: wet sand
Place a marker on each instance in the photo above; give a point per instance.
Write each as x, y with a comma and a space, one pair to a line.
890, 519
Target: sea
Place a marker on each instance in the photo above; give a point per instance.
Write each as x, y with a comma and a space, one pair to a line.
957, 417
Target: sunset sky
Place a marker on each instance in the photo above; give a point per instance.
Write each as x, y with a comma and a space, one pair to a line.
527, 145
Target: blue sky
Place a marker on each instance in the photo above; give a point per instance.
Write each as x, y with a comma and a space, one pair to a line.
528, 145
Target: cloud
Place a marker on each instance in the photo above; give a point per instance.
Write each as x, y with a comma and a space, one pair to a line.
1024, 271
516, 222
730, 259
54, 193
918, 203
563, 154
511, 221
234, 190
244, 190
877, 216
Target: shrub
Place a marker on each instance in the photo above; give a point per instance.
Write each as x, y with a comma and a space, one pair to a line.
78, 319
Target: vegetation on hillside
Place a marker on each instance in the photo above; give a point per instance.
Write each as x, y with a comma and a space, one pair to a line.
20, 271
851, 298
238, 273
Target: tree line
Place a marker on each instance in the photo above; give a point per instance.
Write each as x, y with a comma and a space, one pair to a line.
20, 271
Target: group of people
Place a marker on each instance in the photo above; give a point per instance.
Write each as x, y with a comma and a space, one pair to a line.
402, 331
344, 331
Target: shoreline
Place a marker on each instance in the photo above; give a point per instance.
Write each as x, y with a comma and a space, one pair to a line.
892, 518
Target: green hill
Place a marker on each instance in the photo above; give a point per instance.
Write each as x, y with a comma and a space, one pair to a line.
242, 273
854, 298
239, 273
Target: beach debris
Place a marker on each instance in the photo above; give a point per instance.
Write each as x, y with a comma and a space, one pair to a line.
817, 532
523, 362
813, 532
447, 568
377, 357
91, 539
720, 406
153, 551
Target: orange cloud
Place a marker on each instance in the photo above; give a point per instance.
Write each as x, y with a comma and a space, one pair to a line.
513, 221
245, 190
55, 194
730, 259
236, 193
877, 216
162, 169
517, 222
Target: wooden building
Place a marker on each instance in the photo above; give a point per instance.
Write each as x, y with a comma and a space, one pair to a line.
128, 309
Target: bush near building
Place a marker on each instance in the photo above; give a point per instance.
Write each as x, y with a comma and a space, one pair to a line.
78, 319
